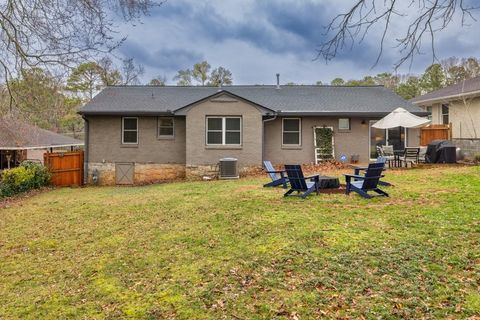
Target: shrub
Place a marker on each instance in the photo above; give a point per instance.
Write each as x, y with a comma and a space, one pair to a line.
29, 175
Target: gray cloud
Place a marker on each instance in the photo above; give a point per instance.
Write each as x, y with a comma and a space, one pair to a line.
256, 39
168, 59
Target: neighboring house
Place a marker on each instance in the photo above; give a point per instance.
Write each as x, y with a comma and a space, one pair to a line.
156, 133
20, 141
458, 105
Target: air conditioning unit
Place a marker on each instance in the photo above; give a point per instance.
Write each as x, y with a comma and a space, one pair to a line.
228, 168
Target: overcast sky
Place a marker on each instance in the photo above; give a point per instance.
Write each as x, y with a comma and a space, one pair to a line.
257, 39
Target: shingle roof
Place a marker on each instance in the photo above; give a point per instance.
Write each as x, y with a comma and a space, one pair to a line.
287, 99
465, 87
15, 134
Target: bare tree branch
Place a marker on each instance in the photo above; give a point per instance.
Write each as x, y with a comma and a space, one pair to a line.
60, 33
429, 18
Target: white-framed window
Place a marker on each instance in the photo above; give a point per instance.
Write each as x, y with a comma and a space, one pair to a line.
129, 130
445, 111
429, 110
291, 131
224, 130
344, 124
166, 127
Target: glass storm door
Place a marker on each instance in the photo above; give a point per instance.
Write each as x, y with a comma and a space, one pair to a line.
396, 138
391, 137
378, 138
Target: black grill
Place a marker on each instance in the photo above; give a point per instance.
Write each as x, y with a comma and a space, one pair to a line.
441, 151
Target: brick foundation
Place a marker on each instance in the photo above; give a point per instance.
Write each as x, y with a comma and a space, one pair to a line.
197, 172
193, 172
144, 173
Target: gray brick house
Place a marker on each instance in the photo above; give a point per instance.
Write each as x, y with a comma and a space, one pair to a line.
161, 133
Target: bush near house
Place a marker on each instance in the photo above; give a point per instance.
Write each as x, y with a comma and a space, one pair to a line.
29, 175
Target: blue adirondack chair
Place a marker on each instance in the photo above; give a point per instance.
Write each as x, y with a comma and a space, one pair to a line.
298, 182
277, 176
357, 170
368, 182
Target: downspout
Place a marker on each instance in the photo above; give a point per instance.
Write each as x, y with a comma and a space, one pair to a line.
85, 158
263, 133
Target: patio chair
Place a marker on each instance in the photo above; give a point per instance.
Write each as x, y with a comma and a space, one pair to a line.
422, 155
298, 182
387, 153
368, 182
410, 155
277, 176
357, 170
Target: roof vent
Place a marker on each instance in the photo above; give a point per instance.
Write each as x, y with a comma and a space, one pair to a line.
278, 80
228, 168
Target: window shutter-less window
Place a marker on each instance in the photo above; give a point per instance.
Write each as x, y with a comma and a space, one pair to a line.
232, 131
344, 124
129, 130
224, 131
165, 127
291, 132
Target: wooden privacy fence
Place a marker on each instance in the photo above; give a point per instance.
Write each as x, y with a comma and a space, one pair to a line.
435, 132
66, 167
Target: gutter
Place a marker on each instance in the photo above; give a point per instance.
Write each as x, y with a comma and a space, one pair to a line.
349, 114
87, 143
263, 133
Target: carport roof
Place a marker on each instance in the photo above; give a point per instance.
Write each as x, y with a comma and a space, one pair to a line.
18, 135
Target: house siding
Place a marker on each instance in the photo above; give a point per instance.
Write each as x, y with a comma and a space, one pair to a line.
105, 145
464, 117
153, 159
349, 142
188, 155
436, 113
199, 154
413, 137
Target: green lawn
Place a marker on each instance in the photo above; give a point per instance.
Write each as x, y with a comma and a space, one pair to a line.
234, 250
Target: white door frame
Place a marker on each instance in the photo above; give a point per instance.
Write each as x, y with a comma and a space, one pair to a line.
317, 160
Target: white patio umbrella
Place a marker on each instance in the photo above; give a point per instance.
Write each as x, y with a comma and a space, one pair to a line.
401, 118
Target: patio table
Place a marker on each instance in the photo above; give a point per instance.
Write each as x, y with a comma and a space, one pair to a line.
398, 154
